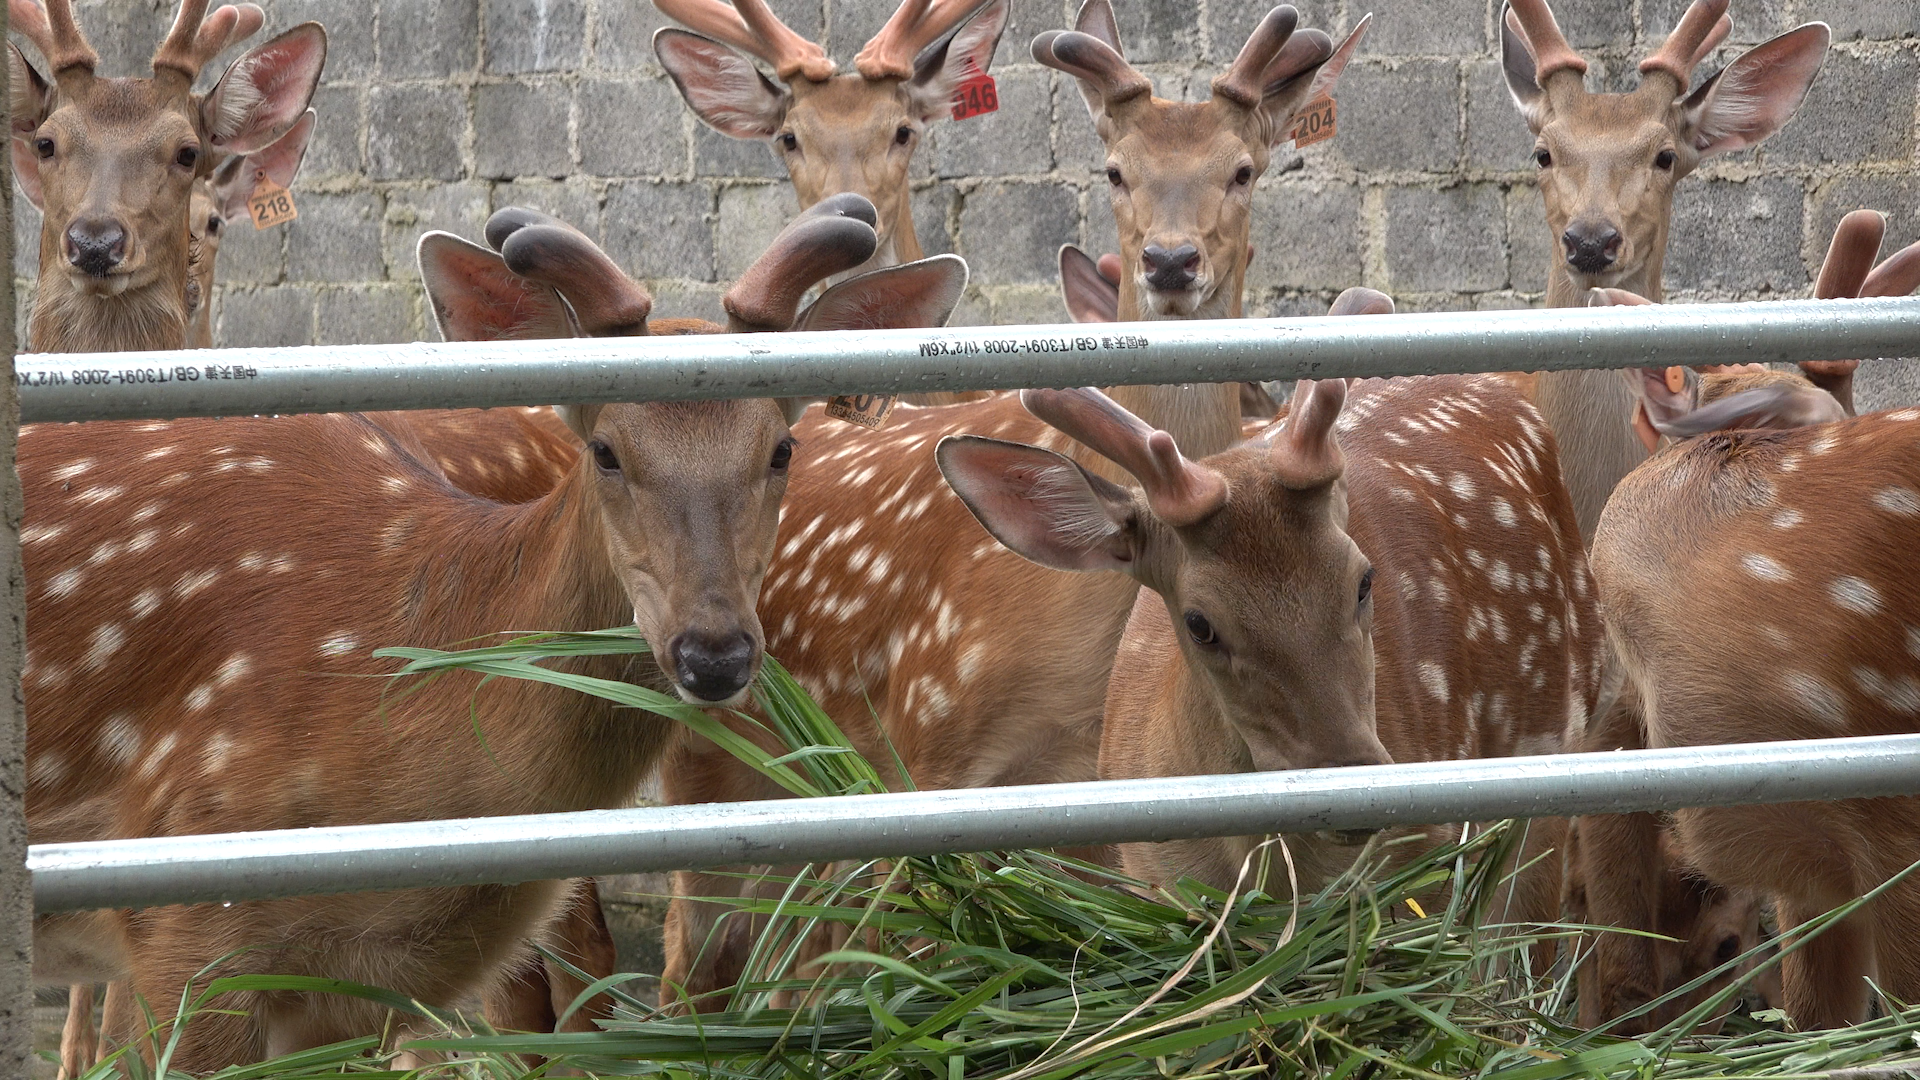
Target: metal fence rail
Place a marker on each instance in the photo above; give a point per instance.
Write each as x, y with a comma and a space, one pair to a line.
243, 866
232, 382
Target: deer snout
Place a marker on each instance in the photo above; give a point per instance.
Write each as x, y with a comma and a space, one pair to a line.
1591, 247
1170, 270
96, 245
712, 666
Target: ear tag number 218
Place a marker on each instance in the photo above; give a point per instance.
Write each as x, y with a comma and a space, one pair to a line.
270, 204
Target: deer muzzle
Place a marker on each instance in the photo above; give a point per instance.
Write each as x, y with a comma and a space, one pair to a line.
1592, 247
712, 667
96, 245
1171, 270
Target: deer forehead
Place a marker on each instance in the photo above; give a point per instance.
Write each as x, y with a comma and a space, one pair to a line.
1183, 138
850, 108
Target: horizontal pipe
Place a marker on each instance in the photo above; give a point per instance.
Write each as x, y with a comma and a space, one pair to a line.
345, 378
361, 858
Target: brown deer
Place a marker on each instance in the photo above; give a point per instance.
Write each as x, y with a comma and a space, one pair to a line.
1608, 164
243, 602
1268, 645
221, 198
112, 163
910, 625
1622, 855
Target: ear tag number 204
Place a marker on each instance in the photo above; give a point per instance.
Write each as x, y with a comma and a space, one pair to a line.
1314, 123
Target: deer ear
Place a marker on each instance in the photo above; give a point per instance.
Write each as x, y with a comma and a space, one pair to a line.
1090, 297
920, 293
579, 419
475, 297
1306, 53
1754, 96
234, 180
967, 51
28, 108
1663, 402
1779, 405
1042, 505
1523, 81
264, 92
722, 87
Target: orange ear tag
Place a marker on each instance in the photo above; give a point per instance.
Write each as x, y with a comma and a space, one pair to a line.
975, 96
270, 204
867, 410
1314, 123
1676, 380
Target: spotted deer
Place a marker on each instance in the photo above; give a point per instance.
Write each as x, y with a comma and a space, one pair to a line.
221, 198
1608, 165
248, 603
1623, 857
1391, 573
912, 627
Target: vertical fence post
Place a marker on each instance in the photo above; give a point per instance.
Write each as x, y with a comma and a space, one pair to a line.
16, 902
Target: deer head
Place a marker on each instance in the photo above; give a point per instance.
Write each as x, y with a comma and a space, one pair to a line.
835, 133
222, 198
1181, 174
1267, 595
1609, 162
111, 163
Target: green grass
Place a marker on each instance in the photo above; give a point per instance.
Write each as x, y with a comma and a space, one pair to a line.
1028, 966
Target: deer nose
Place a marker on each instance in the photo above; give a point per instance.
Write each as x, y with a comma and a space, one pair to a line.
1591, 248
1171, 269
96, 245
712, 667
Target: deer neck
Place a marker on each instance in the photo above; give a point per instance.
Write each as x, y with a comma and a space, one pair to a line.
1591, 412
67, 319
530, 567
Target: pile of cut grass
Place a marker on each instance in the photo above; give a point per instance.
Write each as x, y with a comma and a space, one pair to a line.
1030, 966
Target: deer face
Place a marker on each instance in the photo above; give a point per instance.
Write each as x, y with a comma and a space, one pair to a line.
854, 135
1607, 172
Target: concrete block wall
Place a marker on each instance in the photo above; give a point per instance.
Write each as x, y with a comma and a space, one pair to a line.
436, 112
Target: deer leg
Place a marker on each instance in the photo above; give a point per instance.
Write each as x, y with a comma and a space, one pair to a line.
582, 937
77, 1046
121, 1021
1824, 982
522, 1001
707, 944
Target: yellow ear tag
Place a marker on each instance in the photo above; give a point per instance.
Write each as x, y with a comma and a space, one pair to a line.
270, 204
866, 410
1676, 380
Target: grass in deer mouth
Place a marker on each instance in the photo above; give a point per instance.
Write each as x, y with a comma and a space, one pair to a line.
1029, 966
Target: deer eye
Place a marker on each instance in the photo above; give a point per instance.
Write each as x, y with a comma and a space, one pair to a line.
604, 457
43, 147
1542, 158
789, 141
1663, 161
213, 225
1244, 176
1366, 586
187, 157
782, 455
1728, 948
903, 136
1113, 176
1200, 629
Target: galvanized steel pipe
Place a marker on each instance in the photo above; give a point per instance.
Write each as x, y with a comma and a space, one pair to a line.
340, 378
261, 865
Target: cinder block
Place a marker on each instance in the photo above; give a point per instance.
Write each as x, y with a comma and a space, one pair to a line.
1400, 117
623, 36
574, 202
1435, 27
460, 209
1229, 26
349, 26
337, 238
1859, 109
381, 314
335, 149
660, 228
1027, 305
1028, 19
1530, 246
124, 34
1076, 144
974, 309
1593, 25
534, 35
715, 154
1886, 384
250, 256
259, 318
750, 216
1754, 21
1305, 235
1159, 31
26, 238
520, 130
416, 132
1874, 20
1498, 139
932, 207
1447, 240
428, 38
677, 298
1011, 142
1737, 239
850, 23
1011, 233
632, 129
1898, 197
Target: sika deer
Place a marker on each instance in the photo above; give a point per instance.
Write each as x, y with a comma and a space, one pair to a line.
236, 715
1268, 646
1608, 166
911, 626
1621, 857
112, 163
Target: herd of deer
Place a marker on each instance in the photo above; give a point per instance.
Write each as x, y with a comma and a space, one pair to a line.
1394, 570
